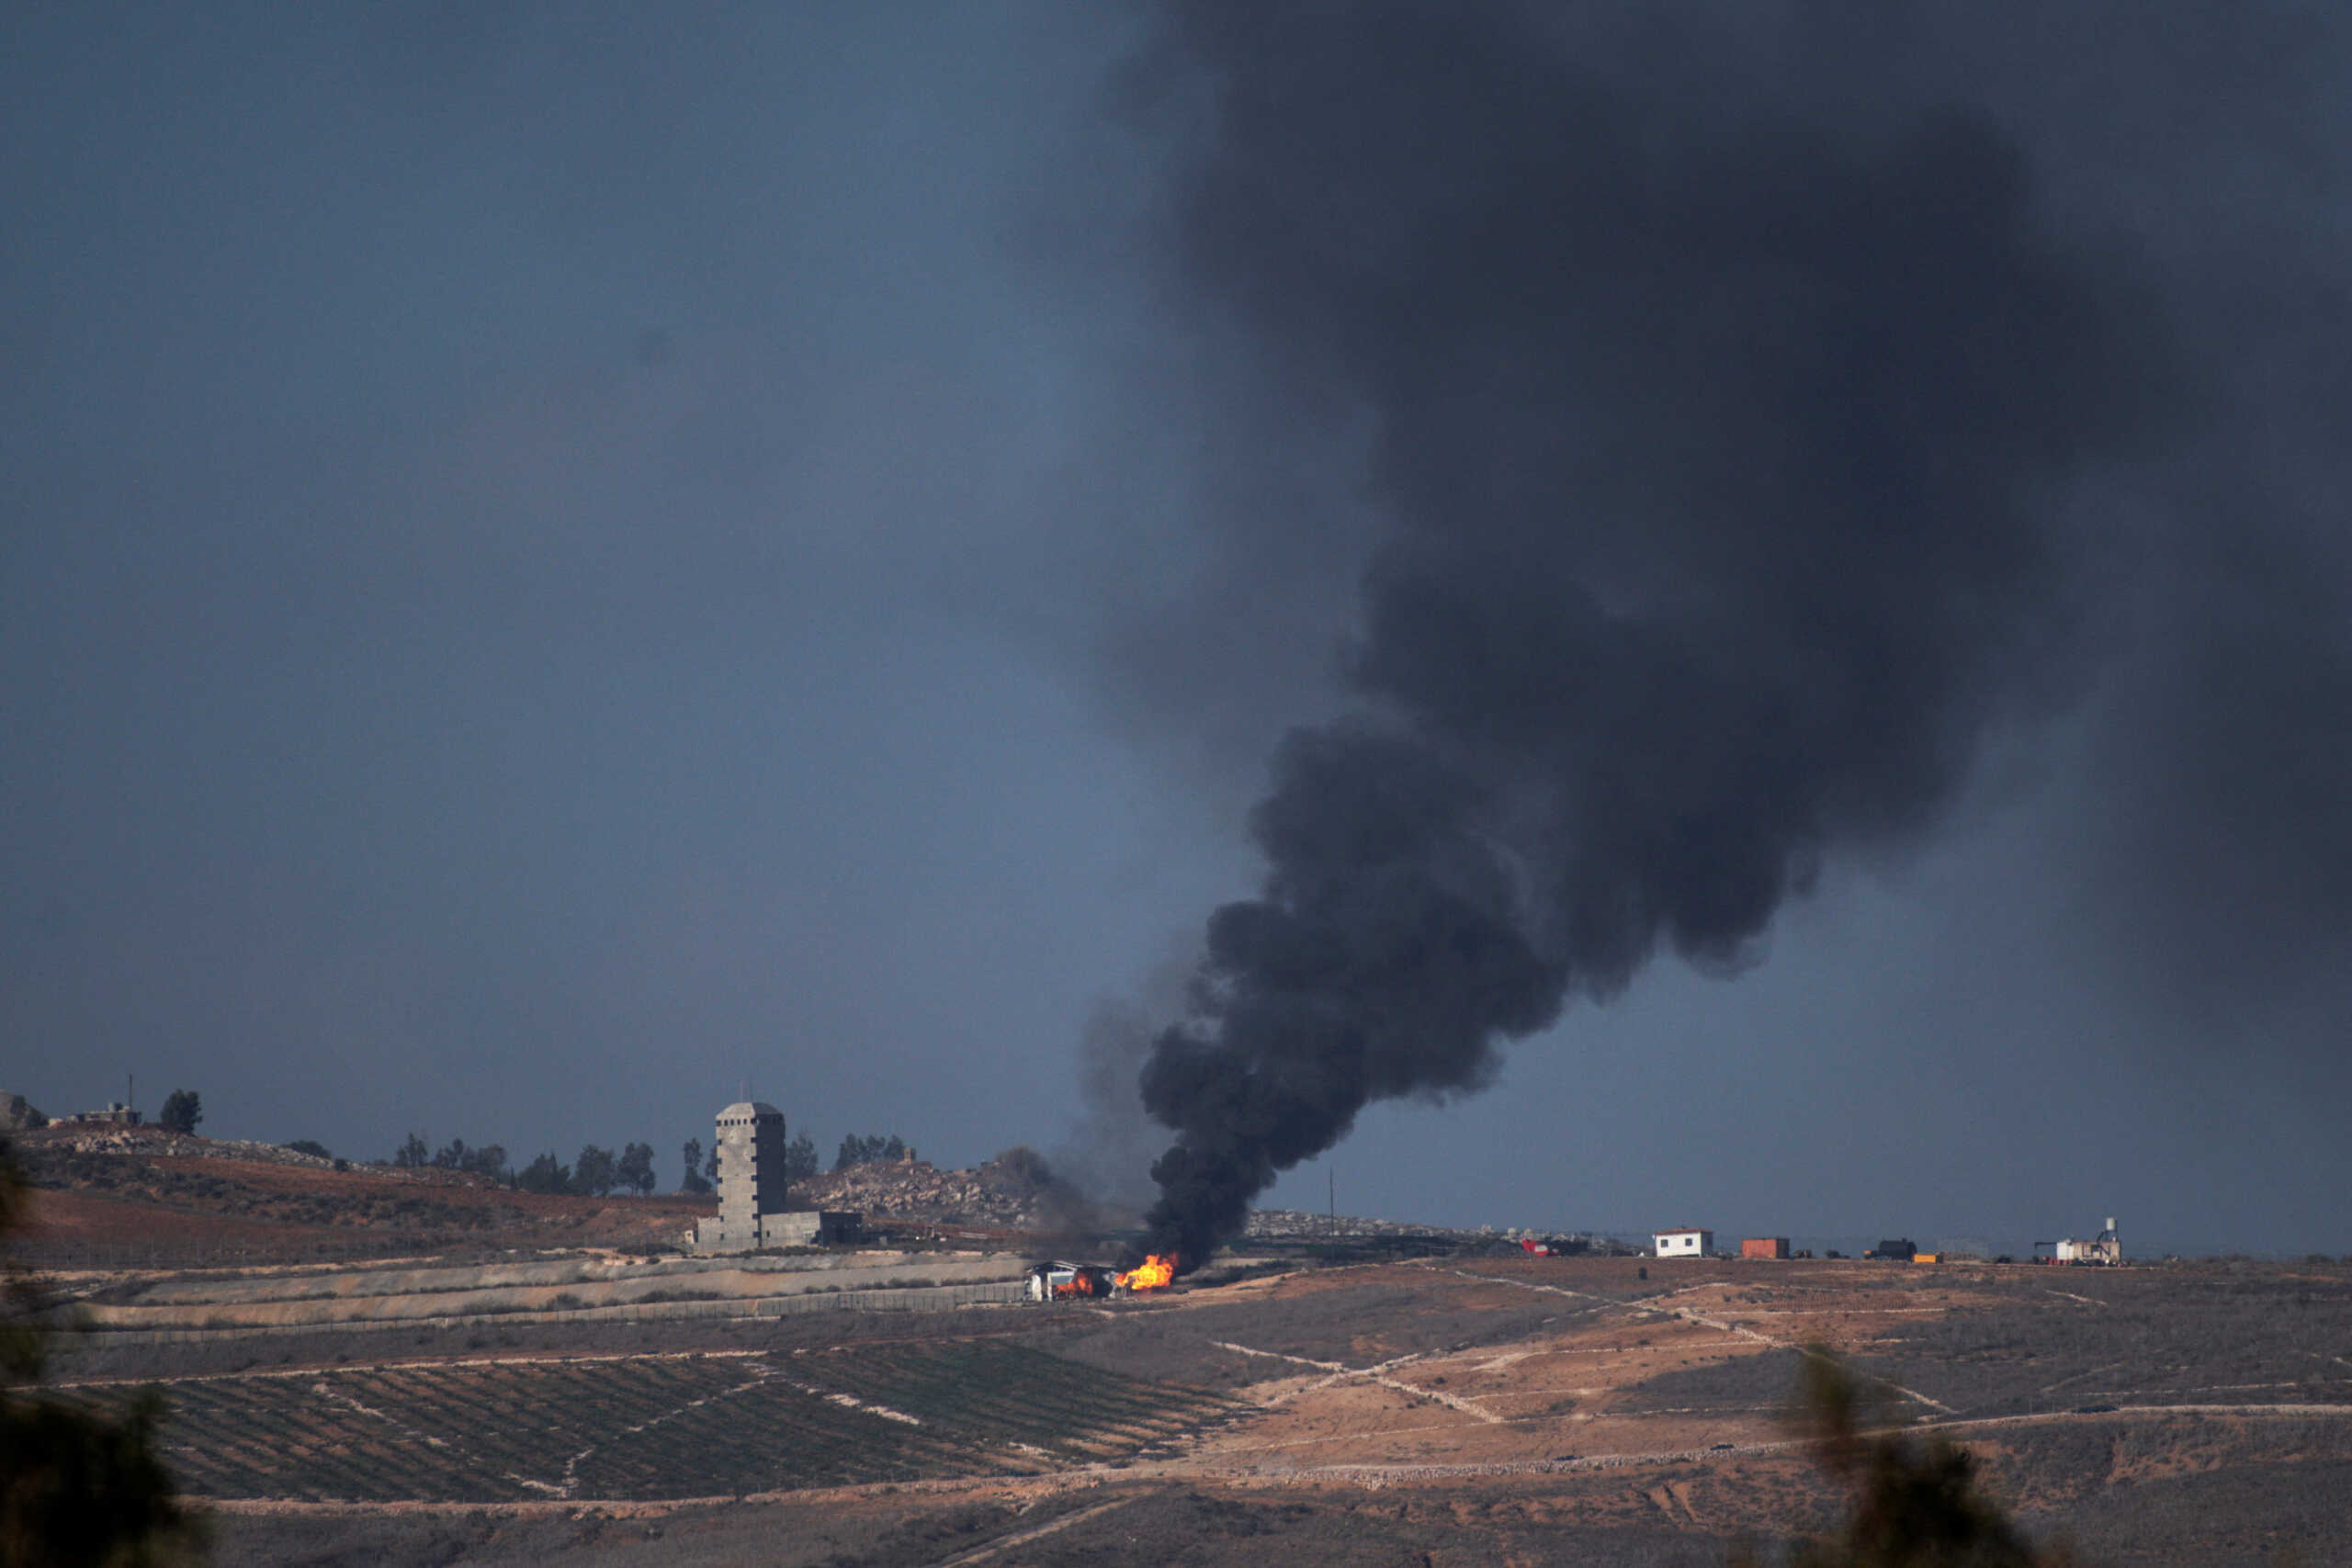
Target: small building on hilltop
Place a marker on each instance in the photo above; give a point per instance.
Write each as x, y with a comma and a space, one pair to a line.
754, 1195
2107, 1249
1764, 1247
1688, 1242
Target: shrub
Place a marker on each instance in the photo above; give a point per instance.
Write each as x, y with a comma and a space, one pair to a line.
75, 1485
1906, 1502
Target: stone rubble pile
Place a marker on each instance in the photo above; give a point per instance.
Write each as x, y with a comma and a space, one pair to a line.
113, 1138
916, 1190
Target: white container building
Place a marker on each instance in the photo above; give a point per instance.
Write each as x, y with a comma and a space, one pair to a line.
1690, 1241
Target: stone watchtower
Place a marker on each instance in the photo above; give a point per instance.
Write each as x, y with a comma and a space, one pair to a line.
749, 1138
754, 1208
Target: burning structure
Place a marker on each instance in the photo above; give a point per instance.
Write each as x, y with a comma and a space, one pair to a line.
1054, 1281
1154, 1273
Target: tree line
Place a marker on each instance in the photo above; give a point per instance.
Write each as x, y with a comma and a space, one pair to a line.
800, 1158
597, 1172
594, 1172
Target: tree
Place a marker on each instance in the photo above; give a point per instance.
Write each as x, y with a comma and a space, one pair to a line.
183, 1109
413, 1155
488, 1160
594, 1171
869, 1150
695, 1182
545, 1174
78, 1489
635, 1171
800, 1158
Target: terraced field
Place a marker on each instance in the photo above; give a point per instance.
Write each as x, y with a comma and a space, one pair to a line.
662, 1427
1535, 1410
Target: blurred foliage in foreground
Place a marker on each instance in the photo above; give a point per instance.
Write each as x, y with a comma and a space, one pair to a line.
1908, 1504
76, 1490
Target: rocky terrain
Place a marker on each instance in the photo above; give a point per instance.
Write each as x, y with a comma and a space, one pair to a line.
1014, 1192
63, 1138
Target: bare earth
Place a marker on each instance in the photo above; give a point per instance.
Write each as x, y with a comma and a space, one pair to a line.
1524, 1410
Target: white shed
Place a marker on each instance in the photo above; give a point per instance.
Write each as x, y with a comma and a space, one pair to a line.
1690, 1241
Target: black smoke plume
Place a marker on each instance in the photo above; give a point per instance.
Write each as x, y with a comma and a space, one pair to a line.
1729, 440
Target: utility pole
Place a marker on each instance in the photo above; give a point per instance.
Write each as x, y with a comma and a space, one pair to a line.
1332, 1172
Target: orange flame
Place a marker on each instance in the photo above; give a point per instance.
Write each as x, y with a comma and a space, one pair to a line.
1153, 1273
1083, 1285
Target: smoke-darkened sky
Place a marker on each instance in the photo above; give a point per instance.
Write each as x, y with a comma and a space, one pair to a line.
553, 560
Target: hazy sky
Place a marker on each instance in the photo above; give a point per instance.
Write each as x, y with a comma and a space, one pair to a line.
553, 560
